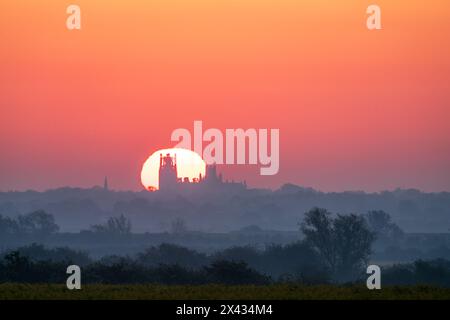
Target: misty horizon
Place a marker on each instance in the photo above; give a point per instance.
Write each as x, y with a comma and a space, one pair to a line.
112, 188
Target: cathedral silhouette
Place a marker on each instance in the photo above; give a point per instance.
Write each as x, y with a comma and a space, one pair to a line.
170, 182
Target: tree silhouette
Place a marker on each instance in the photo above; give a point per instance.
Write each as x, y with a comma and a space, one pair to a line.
37, 223
317, 227
115, 225
344, 243
8, 226
381, 224
179, 226
353, 245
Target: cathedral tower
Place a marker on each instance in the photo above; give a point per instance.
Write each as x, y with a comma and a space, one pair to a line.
168, 174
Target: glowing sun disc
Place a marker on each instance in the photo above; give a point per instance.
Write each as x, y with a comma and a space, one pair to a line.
189, 165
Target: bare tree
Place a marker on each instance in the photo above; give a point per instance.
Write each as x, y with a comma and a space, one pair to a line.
179, 226
115, 225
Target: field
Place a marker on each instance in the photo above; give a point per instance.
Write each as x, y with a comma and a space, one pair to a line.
213, 292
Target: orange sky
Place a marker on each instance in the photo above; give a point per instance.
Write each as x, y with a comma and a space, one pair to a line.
356, 109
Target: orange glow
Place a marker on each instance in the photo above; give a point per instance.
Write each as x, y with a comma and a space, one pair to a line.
356, 109
189, 164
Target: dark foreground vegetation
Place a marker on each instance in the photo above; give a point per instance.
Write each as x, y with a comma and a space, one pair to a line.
329, 261
174, 265
215, 292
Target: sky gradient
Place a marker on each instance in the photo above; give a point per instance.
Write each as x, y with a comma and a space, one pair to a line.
356, 109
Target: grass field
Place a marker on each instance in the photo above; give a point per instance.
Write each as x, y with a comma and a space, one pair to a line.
212, 292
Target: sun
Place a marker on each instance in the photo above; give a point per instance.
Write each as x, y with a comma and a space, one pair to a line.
189, 165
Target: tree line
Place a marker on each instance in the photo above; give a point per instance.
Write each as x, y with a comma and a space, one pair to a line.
175, 265
35, 223
335, 247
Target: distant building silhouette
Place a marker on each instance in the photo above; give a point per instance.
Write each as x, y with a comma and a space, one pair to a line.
170, 182
168, 174
105, 184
